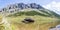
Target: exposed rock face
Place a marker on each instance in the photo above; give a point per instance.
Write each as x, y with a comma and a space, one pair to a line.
23, 6
35, 6
32, 5
20, 6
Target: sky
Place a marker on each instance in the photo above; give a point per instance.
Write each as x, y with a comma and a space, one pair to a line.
53, 5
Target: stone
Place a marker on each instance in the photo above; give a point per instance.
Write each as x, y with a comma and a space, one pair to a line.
28, 20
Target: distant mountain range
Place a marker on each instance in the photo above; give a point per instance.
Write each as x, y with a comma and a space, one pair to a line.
14, 8
23, 6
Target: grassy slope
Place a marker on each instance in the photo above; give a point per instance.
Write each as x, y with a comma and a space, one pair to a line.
42, 21
44, 12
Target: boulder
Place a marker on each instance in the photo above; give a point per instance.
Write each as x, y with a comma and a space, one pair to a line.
28, 20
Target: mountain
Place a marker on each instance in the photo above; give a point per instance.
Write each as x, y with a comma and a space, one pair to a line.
33, 12
43, 18
24, 6
21, 6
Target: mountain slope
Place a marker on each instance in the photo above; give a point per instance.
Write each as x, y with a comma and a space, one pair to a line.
43, 18
32, 6
32, 12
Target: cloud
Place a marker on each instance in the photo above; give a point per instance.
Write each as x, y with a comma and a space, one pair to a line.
54, 6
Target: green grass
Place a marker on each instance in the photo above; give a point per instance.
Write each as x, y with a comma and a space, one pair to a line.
29, 13
41, 22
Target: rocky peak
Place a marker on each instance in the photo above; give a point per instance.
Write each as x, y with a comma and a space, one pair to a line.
20, 6
24, 6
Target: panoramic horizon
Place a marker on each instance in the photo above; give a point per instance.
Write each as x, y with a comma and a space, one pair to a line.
29, 14
48, 4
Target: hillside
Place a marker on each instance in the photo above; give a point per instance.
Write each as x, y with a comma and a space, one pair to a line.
32, 12
32, 6
44, 19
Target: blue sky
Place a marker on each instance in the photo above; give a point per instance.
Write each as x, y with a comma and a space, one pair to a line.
6, 2
54, 5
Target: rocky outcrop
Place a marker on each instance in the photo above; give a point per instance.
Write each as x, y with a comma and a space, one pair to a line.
24, 6
20, 6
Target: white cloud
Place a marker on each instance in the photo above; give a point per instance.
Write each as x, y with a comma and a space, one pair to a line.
54, 6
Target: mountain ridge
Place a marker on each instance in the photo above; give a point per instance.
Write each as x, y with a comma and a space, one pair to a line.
28, 7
